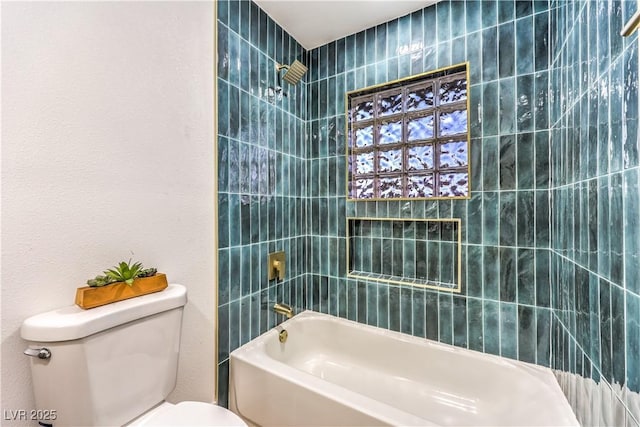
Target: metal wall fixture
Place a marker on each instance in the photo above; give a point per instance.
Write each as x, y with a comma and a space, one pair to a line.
293, 73
283, 309
631, 25
276, 265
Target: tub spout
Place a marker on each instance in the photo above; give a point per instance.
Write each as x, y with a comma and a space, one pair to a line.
283, 309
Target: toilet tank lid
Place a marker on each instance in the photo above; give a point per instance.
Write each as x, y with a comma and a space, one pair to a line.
72, 322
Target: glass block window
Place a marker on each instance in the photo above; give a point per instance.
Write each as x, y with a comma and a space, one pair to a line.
409, 139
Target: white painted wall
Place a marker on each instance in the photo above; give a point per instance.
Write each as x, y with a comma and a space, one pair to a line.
107, 153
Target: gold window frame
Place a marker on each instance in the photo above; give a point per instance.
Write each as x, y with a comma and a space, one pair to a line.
422, 79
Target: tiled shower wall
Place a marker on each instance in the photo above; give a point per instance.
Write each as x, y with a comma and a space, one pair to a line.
261, 175
595, 236
282, 183
504, 304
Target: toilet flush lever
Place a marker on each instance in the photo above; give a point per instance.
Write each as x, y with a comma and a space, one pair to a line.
40, 353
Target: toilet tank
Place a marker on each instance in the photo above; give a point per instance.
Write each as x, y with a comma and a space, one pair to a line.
108, 364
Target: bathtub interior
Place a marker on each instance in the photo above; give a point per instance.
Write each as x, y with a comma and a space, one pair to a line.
443, 384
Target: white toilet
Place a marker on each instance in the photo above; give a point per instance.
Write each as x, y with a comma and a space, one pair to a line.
114, 365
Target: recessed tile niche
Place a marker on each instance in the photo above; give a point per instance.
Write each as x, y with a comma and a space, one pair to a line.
417, 252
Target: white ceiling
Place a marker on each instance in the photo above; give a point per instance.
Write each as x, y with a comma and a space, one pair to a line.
314, 23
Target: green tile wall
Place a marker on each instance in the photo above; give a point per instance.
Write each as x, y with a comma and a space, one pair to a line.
261, 176
550, 235
504, 306
595, 194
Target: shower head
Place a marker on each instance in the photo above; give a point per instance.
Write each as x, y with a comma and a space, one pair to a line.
293, 73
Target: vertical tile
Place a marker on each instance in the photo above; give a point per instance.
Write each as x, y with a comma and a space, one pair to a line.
632, 341
490, 163
392, 38
506, 47
506, 11
359, 49
474, 57
542, 219
254, 314
524, 103
443, 11
473, 15
460, 333
406, 310
234, 15
507, 106
508, 218
490, 109
542, 159
541, 101
491, 273
331, 59
445, 318
475, 324
457, 10
618, 325
616, 230
603, 234
508, 274
474, 271
491, 321
489, 13
489, 51
527, 334
603, 37
223, 328
630, 108
525, 228
508, 330
543, 291
372, 304
616, 116
526, 287
432, 318
383, 306
543, 337
223, 384
605, 330
361, 295
594, 320
234, 325
418, 312
631, 233
394, 308
342, 299
524, 8
541, 37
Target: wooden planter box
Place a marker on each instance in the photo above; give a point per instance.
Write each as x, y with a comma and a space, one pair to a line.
90, 297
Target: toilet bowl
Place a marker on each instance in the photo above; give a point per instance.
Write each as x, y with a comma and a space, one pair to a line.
188, 414
115, 364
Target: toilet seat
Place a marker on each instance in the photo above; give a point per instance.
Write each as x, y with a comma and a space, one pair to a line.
190, 414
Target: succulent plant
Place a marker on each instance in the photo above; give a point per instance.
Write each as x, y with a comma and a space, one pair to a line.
100, 281
148, 272
124, 272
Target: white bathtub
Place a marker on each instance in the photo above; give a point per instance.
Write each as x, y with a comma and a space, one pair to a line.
335, 372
